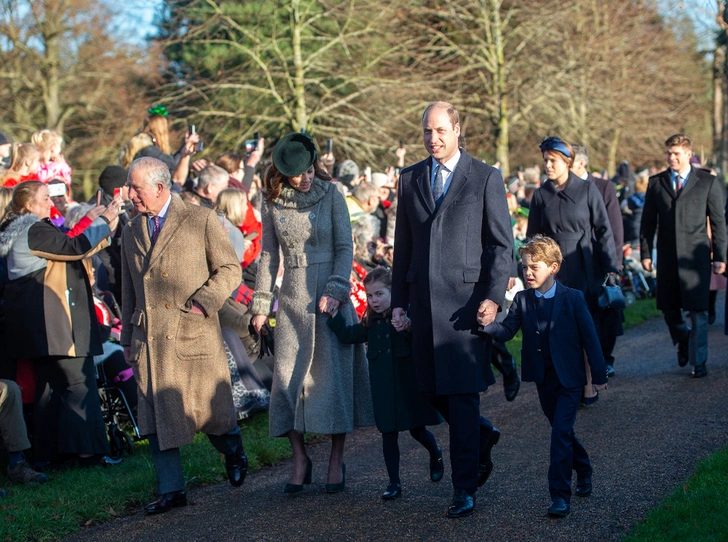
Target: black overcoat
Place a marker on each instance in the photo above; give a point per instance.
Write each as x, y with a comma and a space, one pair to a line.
447, 260
398, 404
683, 246
577, 220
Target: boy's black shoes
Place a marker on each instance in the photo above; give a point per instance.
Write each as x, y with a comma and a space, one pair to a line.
437, 468
583, 486
559, 508
700, 371
463, 504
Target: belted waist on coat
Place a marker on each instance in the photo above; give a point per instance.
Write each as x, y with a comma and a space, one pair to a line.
304, 260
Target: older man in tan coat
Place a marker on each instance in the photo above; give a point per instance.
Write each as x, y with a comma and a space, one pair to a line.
178, 267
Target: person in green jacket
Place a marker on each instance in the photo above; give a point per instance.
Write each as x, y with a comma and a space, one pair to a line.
398, 405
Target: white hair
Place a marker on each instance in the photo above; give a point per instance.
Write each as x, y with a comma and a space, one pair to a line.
155, 171
213, 175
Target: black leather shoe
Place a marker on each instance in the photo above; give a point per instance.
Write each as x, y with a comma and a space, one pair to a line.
682, 353
166, 502
463, 504
394, 491
437, 467
236, 466
486, 463
610, 371
559, 508
583, 486
338, 488
700, 371
297, 488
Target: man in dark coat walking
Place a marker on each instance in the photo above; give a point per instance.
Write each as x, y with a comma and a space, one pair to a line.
679, 203
452, 259
610, 320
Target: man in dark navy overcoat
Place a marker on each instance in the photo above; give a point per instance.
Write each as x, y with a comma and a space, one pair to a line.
453, 256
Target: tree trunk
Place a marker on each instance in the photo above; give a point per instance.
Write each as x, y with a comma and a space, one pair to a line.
502, 136
612, 157
51, 94
718, 104
301, 120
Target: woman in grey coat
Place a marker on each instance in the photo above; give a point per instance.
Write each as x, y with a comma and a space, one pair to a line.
319, 384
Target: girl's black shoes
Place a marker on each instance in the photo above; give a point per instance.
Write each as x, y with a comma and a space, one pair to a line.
394, 491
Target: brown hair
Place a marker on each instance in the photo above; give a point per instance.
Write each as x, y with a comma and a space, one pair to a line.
229, 161
542, 249
449, 108
6, 194
157, 127
273, 179
554, 153
22, 153
679, 140
234, 204
23, 194
381, 275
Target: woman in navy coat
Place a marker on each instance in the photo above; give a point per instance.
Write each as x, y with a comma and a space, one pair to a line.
571, 211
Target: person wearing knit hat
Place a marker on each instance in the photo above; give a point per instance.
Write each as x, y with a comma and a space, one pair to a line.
347, 172
111, 178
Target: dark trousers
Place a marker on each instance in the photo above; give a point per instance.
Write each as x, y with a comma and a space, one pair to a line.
469, 432
697, 334
168, 464
67, 414
559, 404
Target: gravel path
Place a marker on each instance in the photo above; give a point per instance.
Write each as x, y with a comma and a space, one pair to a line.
644, 437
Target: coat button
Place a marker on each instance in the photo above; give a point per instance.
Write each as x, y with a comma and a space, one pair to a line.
387, 350
151, 339
538, 333
279, 207
387, 335
168, 305
165, 274
539, 349
285, 233
146, 277
73, 304
283, 220
149, 307
169, 337
312, 216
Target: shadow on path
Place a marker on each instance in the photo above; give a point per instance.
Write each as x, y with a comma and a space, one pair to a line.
644, 437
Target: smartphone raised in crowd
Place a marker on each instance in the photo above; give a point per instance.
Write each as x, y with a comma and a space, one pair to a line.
99, 195
329, 145
117, 192
252, 144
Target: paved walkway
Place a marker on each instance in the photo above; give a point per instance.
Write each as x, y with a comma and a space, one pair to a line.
644, 437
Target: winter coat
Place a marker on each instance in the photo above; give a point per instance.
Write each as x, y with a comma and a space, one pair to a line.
632, 221
447, 260
398, 404
577, 220
319, 384
48, 301
178, 357
683, 245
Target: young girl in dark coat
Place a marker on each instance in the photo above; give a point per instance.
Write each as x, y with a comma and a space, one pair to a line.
398, 405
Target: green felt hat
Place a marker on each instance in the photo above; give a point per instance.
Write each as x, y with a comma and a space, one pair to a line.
294, 154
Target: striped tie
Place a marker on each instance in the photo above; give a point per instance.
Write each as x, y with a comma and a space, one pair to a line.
678, 183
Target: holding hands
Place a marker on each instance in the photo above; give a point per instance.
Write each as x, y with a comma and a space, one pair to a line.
487, 312
329, 305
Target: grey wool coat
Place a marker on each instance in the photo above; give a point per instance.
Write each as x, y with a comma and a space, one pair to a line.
319, 384
178, 357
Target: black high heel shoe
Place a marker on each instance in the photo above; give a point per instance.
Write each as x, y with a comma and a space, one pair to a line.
338, 488
297, 488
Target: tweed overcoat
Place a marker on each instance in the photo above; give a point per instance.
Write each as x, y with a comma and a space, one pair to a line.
319, 385
178, 357
447, 260
683, 246
576, 218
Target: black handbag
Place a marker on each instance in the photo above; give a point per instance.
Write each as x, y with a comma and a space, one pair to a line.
610, 294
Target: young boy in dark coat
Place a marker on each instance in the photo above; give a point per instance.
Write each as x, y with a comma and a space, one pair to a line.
557, 330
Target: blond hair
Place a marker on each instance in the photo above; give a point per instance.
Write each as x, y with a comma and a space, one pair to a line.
140, 141
24, 153
234, 205
542, 249
158, 128
46, 139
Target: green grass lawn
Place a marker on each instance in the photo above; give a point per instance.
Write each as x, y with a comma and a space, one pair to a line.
77, 497
696, 511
